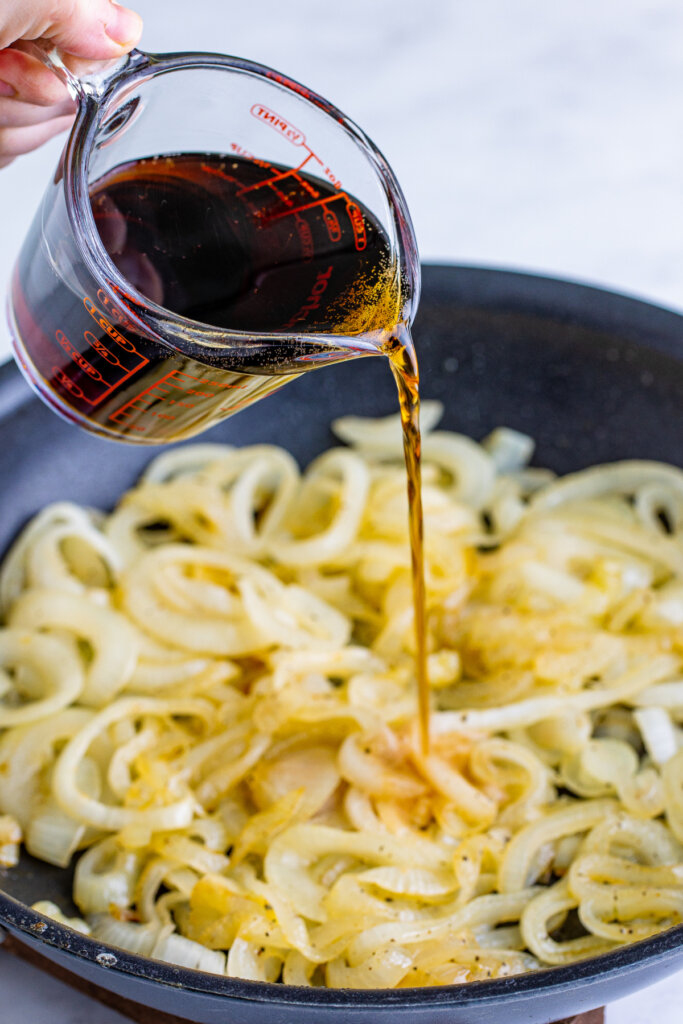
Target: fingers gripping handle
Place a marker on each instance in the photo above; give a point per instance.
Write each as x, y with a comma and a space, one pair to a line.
92, 85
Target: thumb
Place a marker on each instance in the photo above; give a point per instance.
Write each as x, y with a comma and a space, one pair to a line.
91, 29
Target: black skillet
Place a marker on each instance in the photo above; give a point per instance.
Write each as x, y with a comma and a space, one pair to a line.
593, 376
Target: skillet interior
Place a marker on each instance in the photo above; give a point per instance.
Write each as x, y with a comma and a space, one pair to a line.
593, 376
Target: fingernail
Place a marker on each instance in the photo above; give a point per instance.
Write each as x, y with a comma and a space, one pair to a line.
124, 27
7, 90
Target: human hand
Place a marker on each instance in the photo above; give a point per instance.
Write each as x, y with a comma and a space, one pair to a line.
34, 104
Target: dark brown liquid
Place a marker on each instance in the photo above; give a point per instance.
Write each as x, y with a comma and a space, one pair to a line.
401, 353
235, 243
245, 245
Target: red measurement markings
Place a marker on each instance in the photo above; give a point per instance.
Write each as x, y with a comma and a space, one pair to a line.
313, 300
66, 382
119, 353
333, 179
78, 359
241, 151
271, 182
287, 130
102, 349
279, 124
115, 335
309, 206
332, 224
172, 390
306, 238
281, 176
114, 312
355, 213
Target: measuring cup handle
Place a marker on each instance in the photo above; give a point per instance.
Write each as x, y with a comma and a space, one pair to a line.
89, 85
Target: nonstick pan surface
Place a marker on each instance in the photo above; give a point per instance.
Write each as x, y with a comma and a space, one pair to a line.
592, 375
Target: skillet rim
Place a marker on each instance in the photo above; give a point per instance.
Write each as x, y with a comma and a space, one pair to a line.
649, 325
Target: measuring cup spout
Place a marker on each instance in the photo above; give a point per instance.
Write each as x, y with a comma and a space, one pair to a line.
92, 85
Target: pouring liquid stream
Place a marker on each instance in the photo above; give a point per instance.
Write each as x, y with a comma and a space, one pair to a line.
401, 354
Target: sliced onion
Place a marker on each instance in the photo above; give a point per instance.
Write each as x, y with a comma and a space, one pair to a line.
111, 637
292, 616
10, 838
134, 938
36, 557
52, 835
49, 909
56, 677
509, 449
146, 597
353, 480
619, 478
660, 735
176, 949
105, 876
185, 461
384, 432
72, 800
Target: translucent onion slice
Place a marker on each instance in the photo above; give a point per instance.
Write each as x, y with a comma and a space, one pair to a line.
311, 771
635, 839
261, 496
177, 813
52, 677
247, 960
110, 636
471, 469
176, 949
36, 558
26, 756
292, 616
372, 764
384, 432
189, 509
516, 866
538, 920
626, 477
509, 449
349, 477
384, 968
188, 460
49, 909
660, 736
672, 779
10, 838
411, 881
488, 910
146, 598
620, 900
52, 835
535, 709
105, 876
134, 938
290, 856
654, 499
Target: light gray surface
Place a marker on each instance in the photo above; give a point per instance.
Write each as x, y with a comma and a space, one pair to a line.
525, 134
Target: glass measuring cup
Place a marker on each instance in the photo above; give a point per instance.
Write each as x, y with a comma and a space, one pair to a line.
105, 319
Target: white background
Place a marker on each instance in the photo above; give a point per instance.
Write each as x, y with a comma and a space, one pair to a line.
526, 133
